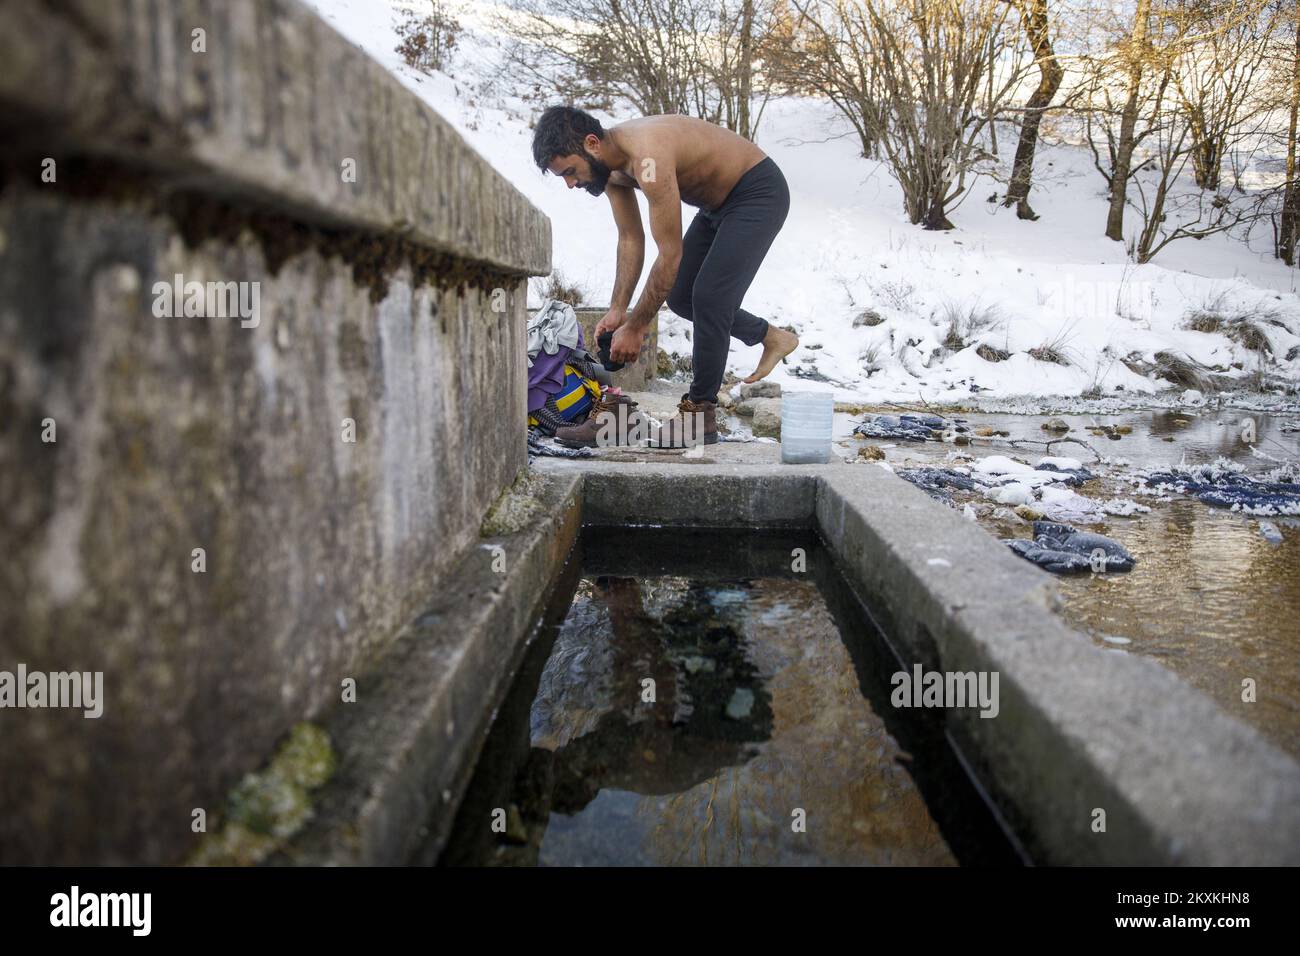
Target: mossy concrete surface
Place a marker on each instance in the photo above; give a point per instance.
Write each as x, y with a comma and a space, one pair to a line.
272, 804
408, 744
331, 459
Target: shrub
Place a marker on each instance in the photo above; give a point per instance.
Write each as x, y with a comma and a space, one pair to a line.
555, 287
427, 40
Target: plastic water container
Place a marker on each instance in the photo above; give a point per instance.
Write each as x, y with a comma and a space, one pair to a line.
806, 422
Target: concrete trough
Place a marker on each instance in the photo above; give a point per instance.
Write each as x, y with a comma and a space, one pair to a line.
1080, 731
1083, 734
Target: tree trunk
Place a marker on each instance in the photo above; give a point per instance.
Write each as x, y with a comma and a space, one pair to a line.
1128, 123
1291, 196
1034, 15
1207, 153
746, 60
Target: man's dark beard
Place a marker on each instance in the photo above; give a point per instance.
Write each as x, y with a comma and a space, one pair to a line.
599, 175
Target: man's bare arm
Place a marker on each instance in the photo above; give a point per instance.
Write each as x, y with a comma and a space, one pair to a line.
631, 245
666, 228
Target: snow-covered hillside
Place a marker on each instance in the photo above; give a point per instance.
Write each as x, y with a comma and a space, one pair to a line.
885, 310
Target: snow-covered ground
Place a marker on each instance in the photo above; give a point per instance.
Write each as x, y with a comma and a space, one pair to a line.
847, 253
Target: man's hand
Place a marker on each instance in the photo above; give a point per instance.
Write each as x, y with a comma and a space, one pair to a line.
627, 343
610, 322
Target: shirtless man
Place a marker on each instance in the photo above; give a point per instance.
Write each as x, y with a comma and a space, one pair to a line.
742, 199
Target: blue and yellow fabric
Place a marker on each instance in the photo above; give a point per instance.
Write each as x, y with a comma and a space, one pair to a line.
574, 398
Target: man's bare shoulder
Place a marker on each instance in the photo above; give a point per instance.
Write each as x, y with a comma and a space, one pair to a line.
660, 135
647, 138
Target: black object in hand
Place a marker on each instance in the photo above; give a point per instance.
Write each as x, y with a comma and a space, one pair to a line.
603, 342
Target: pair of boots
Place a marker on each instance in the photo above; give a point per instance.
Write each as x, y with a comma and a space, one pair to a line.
695, 423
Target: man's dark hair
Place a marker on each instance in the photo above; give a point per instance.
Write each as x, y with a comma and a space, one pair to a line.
560, 132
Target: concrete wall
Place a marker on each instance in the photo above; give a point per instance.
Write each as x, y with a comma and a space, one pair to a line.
635, 376
376, 305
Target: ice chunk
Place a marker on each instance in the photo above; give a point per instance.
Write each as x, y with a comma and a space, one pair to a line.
1272, 534
1000, 465
1066, 464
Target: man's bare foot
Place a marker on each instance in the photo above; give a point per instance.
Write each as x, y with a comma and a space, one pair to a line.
777, 344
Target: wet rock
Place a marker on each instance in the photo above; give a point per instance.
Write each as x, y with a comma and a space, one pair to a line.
1055, 425
1112, 432
762, 389
1270, 532
741, 704
767, 418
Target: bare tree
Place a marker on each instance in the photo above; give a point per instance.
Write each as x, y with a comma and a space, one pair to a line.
1034, 17
1135, 54
817, 54
690, 57
1181, 74
1217, 76
645, 53
909, 76
1289, 228
737, 64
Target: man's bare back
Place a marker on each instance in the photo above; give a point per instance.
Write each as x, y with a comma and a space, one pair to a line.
707, 160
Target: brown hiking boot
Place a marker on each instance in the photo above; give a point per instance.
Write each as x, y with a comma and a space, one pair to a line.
695, 423
603, 417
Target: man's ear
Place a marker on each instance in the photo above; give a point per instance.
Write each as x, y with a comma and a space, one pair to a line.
592, 144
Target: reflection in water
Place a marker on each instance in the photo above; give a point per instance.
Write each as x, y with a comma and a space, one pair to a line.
1213, 600
1210, 597
758, 722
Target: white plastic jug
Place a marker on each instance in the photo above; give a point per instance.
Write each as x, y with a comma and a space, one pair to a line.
807, 419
